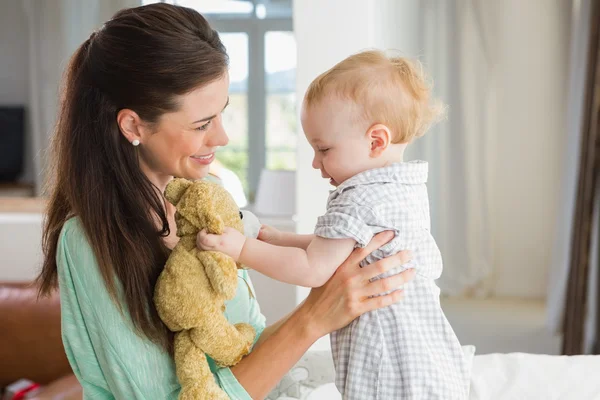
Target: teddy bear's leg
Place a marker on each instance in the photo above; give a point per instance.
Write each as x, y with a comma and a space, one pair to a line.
197, 381
223, 342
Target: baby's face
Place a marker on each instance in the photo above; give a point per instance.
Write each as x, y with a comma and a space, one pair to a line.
338, 136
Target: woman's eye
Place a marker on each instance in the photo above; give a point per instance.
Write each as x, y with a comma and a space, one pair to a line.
204, 127
324, 150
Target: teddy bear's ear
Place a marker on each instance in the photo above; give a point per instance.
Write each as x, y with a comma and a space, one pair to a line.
175, 189
215, 224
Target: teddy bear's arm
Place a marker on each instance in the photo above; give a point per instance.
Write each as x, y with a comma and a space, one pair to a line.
221, 271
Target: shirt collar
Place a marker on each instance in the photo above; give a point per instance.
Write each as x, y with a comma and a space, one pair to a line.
407, 173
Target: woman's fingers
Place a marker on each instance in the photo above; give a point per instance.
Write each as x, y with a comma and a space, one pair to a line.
388, 284
378, 240
385, 264
361, 253
374, 303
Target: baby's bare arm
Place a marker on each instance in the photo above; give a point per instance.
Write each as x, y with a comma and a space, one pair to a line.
290, 239
311, 267
276, 237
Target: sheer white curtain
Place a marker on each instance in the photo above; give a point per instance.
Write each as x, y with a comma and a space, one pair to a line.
458, 51
559, 269
56, 28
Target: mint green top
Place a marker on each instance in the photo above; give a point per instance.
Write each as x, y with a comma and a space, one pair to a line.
109, 359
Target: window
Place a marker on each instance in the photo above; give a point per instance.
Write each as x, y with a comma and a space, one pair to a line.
261, 118
281, 100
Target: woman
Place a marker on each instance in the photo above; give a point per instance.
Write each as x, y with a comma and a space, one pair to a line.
141, 104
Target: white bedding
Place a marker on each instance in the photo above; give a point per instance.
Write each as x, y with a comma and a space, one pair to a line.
517, 376
514, 376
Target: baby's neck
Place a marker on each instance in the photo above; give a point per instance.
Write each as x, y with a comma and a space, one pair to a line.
394, 153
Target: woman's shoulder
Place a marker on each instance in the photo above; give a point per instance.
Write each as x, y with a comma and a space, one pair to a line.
73, 237
75, 259
72, 225
72, 228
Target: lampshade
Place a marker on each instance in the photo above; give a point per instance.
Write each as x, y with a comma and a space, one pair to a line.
276, 193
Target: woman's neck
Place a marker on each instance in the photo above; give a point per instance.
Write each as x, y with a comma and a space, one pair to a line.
160, 181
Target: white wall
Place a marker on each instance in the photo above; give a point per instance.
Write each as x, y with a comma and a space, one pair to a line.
14, 64
20, 246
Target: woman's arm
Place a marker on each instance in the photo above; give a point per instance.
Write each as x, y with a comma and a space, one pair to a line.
347, 295
274, 356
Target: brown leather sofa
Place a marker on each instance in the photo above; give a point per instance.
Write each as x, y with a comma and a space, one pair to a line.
31, 345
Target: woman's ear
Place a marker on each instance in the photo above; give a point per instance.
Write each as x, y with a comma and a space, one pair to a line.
379, 137
130, 125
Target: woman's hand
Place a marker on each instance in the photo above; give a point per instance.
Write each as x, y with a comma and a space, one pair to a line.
268, 234
348, 293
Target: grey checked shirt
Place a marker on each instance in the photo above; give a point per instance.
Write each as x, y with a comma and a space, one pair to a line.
407, 350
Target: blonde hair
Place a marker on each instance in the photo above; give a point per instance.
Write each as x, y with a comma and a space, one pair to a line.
393, 91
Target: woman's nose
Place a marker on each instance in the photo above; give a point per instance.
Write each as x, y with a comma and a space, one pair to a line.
219, 136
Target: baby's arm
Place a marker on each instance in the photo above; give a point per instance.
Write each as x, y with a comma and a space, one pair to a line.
287, 239
311, 267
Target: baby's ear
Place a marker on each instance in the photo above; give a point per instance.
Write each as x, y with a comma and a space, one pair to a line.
380, 138
175, 189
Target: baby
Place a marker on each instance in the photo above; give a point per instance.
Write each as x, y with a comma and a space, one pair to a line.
359, 117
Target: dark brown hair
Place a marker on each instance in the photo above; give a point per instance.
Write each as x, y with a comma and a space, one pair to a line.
142, 59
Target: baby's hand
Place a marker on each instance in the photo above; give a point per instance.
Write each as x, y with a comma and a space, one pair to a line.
230, 242
269, 234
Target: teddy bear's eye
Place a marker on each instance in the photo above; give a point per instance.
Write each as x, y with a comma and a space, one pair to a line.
241, 215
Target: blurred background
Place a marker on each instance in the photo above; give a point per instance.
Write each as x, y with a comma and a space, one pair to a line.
505, 168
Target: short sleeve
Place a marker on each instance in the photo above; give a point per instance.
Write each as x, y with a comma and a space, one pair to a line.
346, 221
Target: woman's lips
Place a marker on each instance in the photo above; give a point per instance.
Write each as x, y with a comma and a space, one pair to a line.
204, 159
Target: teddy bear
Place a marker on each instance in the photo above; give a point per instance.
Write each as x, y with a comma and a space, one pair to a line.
190, 292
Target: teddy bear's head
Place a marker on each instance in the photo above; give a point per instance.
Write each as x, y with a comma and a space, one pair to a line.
202, 205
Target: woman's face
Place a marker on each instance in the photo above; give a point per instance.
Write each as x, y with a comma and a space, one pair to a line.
183, 143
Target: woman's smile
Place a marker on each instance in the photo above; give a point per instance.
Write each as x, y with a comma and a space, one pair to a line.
204, 159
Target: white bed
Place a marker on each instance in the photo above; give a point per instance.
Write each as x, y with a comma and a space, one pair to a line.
535, 376
513, 376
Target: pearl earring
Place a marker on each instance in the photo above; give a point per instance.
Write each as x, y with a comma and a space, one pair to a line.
135, 142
